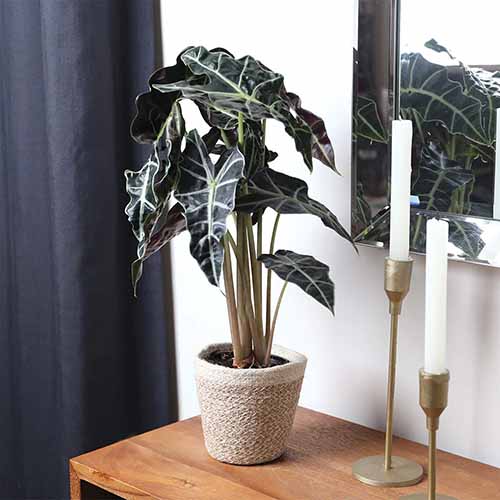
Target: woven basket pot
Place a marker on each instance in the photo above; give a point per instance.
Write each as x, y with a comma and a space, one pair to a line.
247, 415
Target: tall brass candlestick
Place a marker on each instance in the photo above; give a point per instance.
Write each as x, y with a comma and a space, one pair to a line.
388, 470
433, 400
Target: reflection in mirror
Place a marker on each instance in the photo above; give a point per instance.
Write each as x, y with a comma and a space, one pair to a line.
450, 89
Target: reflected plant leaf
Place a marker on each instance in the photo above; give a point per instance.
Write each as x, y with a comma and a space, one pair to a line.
433, 97
466, 236
438, 178
367, 122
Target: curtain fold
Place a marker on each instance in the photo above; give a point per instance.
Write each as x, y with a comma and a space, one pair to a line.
82, 363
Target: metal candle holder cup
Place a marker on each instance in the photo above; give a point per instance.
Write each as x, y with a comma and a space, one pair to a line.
433, 400
388, 470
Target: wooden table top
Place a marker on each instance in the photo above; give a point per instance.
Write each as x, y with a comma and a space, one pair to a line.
171, 463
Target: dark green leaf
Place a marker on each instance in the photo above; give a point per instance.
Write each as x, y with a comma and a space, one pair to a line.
482, 84
207, 193
438, 178
322, 148
154, 107
306, 272
286, 195
150, 188
433, 97
467, 236
254, 149
170, 224
434, 45
210, 139
362, 213
367, 121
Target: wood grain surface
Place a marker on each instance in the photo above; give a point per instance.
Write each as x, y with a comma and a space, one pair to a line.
171, 463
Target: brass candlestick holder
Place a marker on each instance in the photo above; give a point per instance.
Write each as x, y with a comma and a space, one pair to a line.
388, 470
433, 400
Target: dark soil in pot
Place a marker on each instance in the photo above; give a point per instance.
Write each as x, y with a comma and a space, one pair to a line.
225, 358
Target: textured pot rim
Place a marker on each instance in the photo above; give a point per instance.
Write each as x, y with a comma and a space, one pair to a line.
289, 372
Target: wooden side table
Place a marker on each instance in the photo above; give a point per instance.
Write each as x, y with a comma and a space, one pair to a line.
171, 463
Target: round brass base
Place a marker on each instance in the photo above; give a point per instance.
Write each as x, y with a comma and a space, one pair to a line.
425, 496
371, 471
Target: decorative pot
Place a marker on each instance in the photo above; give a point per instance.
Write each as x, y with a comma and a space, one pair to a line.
247, 414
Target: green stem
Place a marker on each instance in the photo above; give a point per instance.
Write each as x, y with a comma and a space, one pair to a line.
259, 253
238, 360
241, 288
418, 226
273, 327
257, 298
162, 129
269, 275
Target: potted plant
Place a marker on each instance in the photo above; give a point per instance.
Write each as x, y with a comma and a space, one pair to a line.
223, 186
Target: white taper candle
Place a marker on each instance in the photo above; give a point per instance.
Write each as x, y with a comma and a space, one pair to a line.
436, 273
402, 132
496, 190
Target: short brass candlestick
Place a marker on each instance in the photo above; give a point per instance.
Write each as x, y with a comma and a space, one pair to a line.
388, 470
433, 400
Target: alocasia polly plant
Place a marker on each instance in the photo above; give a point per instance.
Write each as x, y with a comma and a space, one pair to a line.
223, 186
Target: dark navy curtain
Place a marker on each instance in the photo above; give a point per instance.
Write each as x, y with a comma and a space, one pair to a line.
82, 363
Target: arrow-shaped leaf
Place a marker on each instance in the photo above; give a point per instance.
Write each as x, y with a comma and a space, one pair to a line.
426, 89
438, 178
207, 193
286, 195
468, 237
306, 272
150, 188
480, 83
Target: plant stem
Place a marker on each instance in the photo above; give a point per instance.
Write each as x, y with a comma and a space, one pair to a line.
269, 275
257, 297
238, 360
273, 327
241, 132
259, 253
244, 321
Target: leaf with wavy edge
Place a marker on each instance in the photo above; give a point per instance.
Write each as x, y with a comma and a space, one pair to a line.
243, 86
150, 188
426, 89
438, 178
172, 222
322, 148
306, 272
482, 84
286, 195
207, 193
154, 107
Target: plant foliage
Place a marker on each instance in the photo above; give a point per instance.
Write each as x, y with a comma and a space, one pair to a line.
226, 172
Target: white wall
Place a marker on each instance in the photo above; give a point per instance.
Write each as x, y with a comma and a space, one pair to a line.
311, 43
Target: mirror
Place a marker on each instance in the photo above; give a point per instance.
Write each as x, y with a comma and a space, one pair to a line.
443, 75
